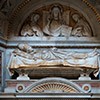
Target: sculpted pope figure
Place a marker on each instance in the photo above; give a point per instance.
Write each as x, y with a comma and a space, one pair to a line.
56, 25
27, 58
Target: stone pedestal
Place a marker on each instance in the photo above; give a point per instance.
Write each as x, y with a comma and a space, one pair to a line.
84, 76
23, 77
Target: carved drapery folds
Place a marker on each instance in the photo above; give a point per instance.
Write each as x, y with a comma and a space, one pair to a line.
56, 21
27, 58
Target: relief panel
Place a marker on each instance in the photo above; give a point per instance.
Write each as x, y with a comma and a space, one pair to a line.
56, 20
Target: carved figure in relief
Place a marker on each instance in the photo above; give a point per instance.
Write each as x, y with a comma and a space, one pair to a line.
57, 23
26, 56
56, 26
50, 54
81, 27
34, 25
33, 28
25, 59
24, 50
27, 31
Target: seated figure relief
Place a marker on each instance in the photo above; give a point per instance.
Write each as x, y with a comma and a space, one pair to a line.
57, 23
56, 26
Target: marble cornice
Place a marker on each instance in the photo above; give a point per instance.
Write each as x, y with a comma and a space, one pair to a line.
78, 46
54, 96
3, 42
36, 42
85, 43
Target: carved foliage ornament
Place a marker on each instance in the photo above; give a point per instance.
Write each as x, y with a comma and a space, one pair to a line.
56, 20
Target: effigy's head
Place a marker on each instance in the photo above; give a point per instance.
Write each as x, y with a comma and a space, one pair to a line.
25, 47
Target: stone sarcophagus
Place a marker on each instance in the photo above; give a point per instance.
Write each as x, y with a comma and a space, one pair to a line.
52, 62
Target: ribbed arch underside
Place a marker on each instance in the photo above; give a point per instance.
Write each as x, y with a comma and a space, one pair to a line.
53, 85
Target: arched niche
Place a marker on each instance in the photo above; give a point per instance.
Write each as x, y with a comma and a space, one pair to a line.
19, 18
53, 85
56, 20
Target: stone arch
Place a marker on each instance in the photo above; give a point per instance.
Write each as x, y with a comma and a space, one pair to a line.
53, 85
16, 24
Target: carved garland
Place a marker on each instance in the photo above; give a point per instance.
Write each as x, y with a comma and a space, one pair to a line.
27, 1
